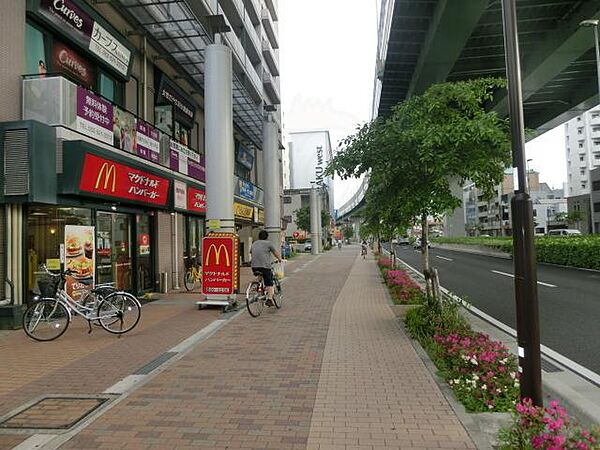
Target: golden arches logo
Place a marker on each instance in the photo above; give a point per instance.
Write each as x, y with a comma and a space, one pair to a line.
108, 173
217, 252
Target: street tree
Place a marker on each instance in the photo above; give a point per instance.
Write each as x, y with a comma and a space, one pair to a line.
445, 135
302, 219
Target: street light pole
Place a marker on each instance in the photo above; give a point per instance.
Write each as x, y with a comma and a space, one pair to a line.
528, 328
594, 24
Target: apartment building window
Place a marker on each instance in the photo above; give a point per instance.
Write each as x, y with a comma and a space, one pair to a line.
596, 207
582, 172
596, 128
595, 115
597, 142
596, 185
579, 119
304, 201
35, 51
580, 144
581, 158
583, 185
579, 130
596, 155
287, 199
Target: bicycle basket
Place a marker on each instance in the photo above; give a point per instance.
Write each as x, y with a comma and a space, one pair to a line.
278, 270
47, 285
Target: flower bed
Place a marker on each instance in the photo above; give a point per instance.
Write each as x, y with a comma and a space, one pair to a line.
482, 372
548, 428
403, 289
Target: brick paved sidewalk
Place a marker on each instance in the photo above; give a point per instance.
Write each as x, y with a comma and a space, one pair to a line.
332, 369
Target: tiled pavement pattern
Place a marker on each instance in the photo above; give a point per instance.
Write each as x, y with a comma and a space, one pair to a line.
251, 385
82, 363
374, 391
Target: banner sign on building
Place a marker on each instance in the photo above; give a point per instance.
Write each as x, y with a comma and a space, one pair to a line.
70, 18
68, 61
107, 178
180, 197
124, 130
94, 116
245, 157
220, 264
196, 200
148, 141
246, 189
169, 92
243, 211
79, 250
186, 161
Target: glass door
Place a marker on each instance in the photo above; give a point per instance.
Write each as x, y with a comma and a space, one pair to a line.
113, 249
104, 266
145, 273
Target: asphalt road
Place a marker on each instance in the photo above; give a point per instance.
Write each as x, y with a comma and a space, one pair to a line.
569, 299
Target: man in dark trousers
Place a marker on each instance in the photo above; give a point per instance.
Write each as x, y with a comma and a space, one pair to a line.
261, 251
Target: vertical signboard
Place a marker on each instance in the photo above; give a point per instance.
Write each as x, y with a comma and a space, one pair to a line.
148, 141
220, 264
79, 252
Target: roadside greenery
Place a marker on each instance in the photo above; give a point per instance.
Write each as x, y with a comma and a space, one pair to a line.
302, 219
403, 289
431, 140
574, 251
549, 428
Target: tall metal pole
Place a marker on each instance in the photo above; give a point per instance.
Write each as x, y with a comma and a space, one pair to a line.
528, 327
314, 221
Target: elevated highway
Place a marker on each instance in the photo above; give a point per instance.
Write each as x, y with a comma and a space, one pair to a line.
423, 42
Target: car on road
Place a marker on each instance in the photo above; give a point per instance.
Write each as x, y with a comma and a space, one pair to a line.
400, 241
417, 243
307, 246
564, 232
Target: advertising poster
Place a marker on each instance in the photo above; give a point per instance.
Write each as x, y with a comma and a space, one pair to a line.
79, 252
94, 116
148, 141
124, 130
68, 61
186, 161
220, 264
180, 197
245, 157
196, 200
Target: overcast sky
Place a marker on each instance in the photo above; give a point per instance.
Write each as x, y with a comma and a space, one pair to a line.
327, 57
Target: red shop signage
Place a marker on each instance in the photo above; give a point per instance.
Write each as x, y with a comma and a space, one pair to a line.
196, 200
220, 264
108, 178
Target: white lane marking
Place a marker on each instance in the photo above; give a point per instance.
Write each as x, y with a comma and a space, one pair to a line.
512, 276
553, 355
443, 257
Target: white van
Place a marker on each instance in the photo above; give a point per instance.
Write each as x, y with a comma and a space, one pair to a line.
564, 232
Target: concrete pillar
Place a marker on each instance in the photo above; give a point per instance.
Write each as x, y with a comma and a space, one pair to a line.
314, 221
320, 222
272, 181
218, 117
218, 111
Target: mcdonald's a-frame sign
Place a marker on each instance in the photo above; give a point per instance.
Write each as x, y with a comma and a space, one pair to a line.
220, 264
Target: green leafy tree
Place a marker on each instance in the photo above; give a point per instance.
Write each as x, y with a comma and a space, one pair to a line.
348, 232
444, 135
302, 220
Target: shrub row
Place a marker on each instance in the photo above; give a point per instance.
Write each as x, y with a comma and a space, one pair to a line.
575, 251
403, 289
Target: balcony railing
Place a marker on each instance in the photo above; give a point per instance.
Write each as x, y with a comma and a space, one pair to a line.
270, 58
269, 27
57, 101
253, 10
270, 87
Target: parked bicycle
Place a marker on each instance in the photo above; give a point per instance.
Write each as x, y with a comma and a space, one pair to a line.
193, 274
47, 318
256, 294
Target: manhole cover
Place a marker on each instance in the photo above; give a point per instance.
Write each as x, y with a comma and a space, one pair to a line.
54, 413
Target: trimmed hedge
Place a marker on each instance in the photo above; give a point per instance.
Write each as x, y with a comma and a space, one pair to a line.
574, 251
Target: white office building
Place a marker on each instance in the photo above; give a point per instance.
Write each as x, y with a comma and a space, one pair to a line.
309, 154
582, 136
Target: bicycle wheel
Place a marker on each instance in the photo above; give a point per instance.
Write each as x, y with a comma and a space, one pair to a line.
254, 299
189, 280
277, 293
45, 320
119, 312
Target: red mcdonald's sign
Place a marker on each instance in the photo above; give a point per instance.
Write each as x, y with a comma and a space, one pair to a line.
196, 199
107, 178
220, 264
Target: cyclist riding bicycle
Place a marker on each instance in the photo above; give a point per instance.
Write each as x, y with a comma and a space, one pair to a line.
261, 251
363, 249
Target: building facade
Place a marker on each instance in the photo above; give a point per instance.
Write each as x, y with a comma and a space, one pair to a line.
102, 125
295, 199
309, 154
582, 136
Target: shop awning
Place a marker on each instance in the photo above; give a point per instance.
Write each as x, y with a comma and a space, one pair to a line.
178, 29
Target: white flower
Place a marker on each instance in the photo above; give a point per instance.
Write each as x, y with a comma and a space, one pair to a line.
484, 387
475, 377
513, 375
473, 361
457, 381
490, 406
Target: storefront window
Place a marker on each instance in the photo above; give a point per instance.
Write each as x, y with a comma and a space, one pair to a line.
45, 233
35, 52
194, 232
